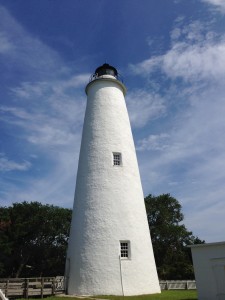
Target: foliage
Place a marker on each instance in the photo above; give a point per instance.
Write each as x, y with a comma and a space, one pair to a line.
33, 239
170, 237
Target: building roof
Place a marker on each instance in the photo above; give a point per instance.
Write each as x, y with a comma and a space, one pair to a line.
207, 244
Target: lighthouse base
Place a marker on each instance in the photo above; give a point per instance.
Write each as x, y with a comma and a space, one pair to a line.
125, 284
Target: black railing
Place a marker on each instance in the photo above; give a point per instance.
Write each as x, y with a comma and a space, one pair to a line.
95, 76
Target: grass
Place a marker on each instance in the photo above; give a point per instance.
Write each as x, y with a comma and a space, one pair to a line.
165, 295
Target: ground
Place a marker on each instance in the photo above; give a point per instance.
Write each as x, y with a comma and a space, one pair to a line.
165, 295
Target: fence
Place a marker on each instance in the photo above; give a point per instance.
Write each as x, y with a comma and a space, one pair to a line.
46, 286
26, 287
177, 285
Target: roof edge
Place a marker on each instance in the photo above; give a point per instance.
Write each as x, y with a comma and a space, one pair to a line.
206, 244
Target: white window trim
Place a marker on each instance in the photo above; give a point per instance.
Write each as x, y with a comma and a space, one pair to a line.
120, 155
129, 250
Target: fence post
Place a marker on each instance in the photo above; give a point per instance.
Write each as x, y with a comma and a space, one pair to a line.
167, 287
42, 287
26, 288
53, 286
7, 288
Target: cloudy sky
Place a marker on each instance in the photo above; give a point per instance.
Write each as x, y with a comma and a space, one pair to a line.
171, 54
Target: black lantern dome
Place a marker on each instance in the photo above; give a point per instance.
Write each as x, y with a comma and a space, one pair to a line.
106, 69
111, 74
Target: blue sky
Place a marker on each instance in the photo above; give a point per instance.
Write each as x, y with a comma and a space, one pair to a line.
171, 54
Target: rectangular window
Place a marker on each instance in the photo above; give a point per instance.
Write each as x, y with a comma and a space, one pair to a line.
124, 249
117, 159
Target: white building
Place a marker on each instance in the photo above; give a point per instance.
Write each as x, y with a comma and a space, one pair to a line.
209, 267
110, 249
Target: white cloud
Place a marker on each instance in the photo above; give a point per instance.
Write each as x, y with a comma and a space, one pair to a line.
191, 154
7, 165
220, 4
56, 137
15, 111
189, 61
147, 66
73, 82
154, 142
185, 157
24, 51
44, 117
47, 129
56, 87
5, 44
28, 90
194, 62
54, 113
143, 106
55, 186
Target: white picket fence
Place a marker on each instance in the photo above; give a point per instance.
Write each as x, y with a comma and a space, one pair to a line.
177, 284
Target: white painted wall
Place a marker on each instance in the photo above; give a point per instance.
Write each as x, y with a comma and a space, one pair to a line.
209, 267
109, 203
2, 295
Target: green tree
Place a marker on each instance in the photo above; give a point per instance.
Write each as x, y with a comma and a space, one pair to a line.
33, 239
170, 237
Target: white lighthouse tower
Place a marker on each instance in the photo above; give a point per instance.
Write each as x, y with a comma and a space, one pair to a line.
110, 250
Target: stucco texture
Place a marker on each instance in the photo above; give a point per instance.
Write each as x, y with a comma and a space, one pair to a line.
109, 204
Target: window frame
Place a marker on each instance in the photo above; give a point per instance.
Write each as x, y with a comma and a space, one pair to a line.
128, 250
119, 159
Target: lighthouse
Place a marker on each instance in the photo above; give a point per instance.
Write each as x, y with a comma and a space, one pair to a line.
110, 250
